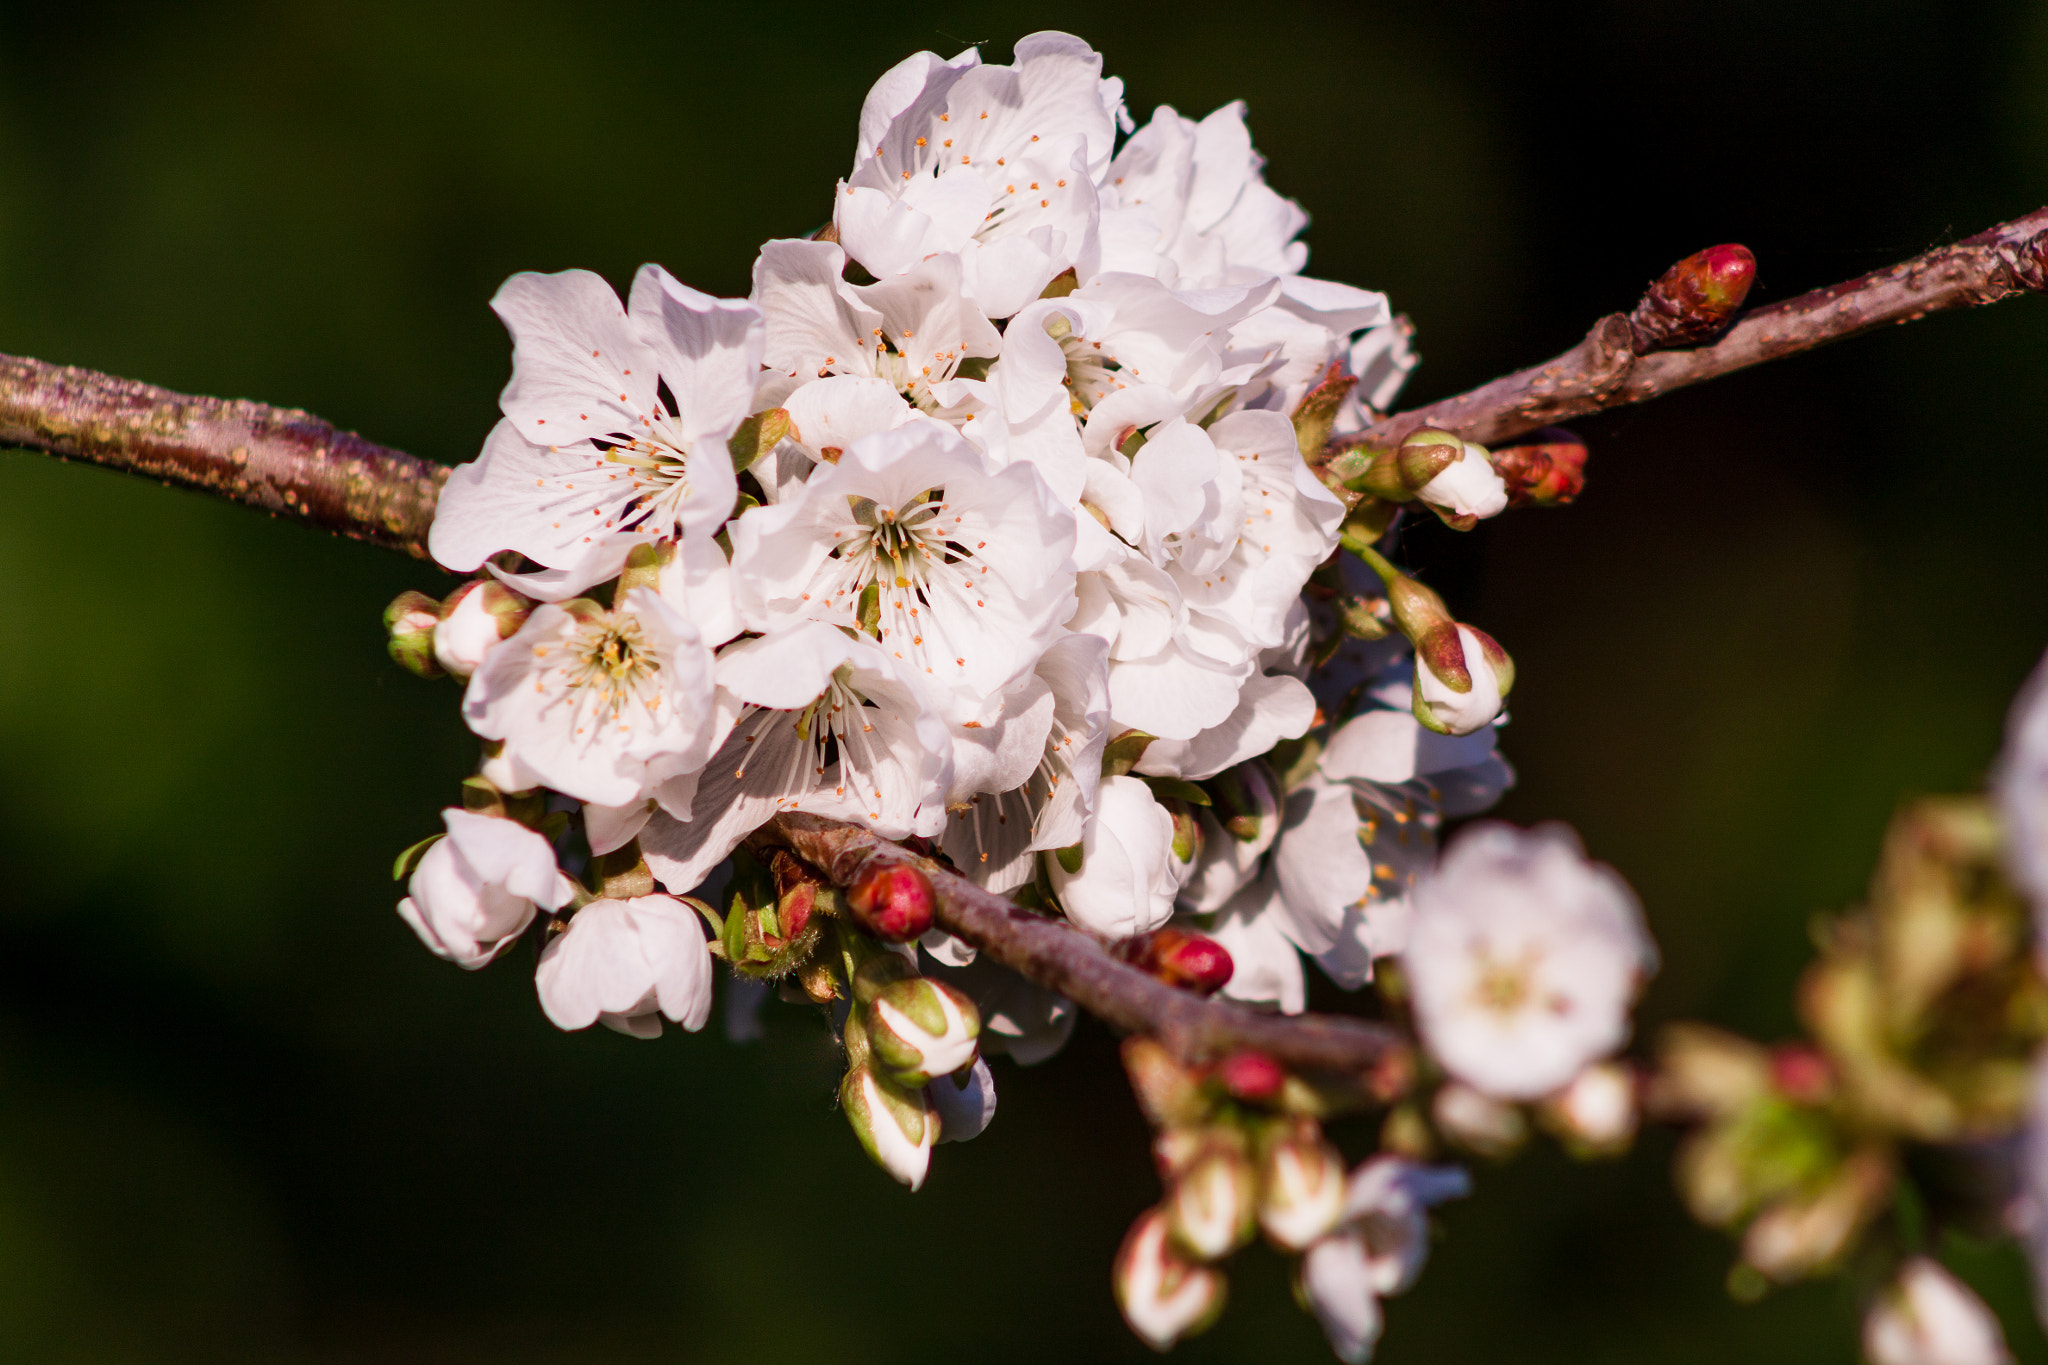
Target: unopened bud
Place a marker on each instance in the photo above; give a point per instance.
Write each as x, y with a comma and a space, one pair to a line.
1301, 1187
1546, 471
1164, 1296
895, 1126
892, 901
1454, 478
1597, 1113
1169, 1093
1251, 1076
1928, 1317
1478, 1122
919, 1029
1461, 678
1802, 1073
771, 928
1801, 1236
410, 622
1694, 300
1182, 958
474, 618
1210, 1211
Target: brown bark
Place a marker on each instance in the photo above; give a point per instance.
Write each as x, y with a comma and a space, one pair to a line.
1068, 961
286, 462
1603, 371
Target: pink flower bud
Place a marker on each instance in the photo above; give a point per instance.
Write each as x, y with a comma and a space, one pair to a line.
1251, 1076
1694, 300
893, 902
1179, 957
1548, 471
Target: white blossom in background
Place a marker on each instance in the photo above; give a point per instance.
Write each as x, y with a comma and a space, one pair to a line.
965, 1103
1523, 959
616, 423
1378, 1249
626, 963
476, 890
2020, 787
1926, 1316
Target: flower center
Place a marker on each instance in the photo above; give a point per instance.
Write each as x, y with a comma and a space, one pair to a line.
1092, 373
659, 460
1505, 986
610, 662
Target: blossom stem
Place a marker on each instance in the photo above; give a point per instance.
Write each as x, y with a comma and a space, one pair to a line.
1195, 1029
1604, 371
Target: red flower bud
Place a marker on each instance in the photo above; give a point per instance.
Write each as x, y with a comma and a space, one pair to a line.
1801, 1073
1180, 958
1548, 471
892, 902
1694, 301
1251, 1076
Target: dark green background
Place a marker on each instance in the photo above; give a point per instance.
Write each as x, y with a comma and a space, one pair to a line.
244, 1116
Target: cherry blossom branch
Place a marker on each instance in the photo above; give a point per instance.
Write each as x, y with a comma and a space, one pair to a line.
1068, 961
286, 462
1604, 371
292, 464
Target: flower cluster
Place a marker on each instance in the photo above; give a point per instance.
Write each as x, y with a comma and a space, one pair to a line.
1004, 517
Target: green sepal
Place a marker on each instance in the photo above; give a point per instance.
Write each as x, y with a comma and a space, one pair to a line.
1069, 857
1423, 715
756, 436
1317, 411
402, 867
713, 919
1176, 789
1063, 284
1123, 751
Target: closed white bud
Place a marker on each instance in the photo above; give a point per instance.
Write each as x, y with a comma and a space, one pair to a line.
1211, 1209
1301, 1189
1164, 1296
1467, 487
1598, 1111
1477, 1121
920, 1029
474, 619
1464, 693
895, 1126
1929, 1317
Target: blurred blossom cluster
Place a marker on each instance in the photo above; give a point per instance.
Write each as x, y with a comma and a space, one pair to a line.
1006, 517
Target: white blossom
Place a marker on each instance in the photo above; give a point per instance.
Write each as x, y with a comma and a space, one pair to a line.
616, 422
995, 823
823, 721
625, 963
997, 163
1463, 713
969, 567
1524, 959
599, 705
475, 891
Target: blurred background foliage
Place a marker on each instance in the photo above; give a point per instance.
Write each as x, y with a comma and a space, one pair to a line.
244, 1116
